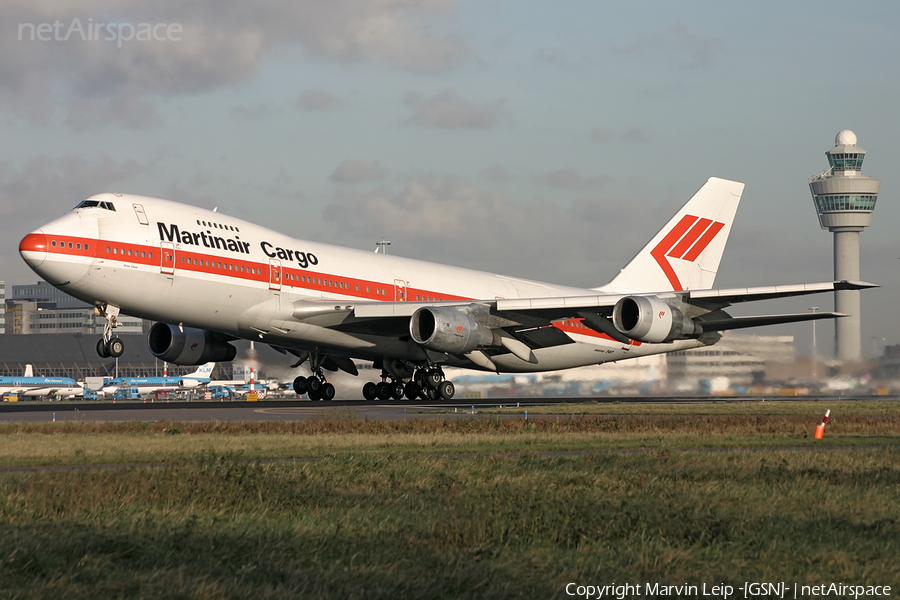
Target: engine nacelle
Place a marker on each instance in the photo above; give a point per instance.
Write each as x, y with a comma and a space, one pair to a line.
448, 330
649, 319
187, 345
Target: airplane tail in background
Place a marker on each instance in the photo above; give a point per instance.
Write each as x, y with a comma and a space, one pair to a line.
29, 371
685, 253
203, 372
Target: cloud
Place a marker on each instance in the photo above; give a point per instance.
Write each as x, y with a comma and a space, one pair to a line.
89, 82
316, 100
358, 171
675, 45
446, 219
497, 174
448, 111
43, 188
570, 179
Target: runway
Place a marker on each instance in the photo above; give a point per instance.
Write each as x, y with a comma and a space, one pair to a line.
294, 410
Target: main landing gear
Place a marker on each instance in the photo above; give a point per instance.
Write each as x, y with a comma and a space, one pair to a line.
110, 345
315, 385
427, 384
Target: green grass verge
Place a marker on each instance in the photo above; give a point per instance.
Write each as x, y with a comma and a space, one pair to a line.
445, 508
723, 406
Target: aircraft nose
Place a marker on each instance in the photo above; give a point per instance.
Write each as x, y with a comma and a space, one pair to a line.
33, 248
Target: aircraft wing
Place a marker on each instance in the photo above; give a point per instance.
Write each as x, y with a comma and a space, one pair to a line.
521, 324
724, 298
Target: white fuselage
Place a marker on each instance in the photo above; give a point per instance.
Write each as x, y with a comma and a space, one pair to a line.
40, 387
180, 264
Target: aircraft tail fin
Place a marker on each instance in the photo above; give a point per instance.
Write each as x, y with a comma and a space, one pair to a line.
29, 371
685, 253
203, 372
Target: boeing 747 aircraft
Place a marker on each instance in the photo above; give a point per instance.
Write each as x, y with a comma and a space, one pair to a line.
209, 279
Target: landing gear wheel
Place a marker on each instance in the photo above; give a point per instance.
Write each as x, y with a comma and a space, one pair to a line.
397, 390
313, 386
327, 392
419, 378
429, 394
300, 385
369, 391
116, 347
412, 390
313, 393
101, 349
383, 390
446, 390
434, 378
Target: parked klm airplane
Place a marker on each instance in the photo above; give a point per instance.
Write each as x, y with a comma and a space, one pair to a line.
209, 279
29, 385
146, 385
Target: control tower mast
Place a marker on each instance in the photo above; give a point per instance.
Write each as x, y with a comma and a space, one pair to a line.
845, 200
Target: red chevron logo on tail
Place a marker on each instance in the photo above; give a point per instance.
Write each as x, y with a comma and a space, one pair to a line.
687, 240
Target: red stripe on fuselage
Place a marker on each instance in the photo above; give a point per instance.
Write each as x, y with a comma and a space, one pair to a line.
197, 262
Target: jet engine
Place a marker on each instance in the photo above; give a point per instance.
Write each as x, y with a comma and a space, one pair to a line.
448, 330
649, 319
187, 345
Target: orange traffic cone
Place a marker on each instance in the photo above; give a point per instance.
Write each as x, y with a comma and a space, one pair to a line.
820, 428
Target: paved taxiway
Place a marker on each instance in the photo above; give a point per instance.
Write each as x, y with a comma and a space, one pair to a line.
294, 410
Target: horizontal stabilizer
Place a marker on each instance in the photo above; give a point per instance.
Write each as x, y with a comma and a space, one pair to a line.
763, 320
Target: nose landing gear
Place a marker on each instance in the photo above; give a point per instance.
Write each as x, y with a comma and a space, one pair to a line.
109, 345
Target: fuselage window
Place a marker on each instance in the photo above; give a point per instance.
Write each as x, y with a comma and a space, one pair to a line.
85, 246
53, 243
78, 246
150, 255
115, 250
108, 249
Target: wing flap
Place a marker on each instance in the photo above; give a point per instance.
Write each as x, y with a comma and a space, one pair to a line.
723, 324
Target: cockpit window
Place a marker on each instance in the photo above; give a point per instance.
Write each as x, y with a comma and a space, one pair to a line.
97, 204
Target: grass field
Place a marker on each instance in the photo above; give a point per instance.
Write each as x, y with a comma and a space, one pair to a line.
484, 507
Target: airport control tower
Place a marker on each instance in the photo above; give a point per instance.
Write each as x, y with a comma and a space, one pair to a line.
845, 200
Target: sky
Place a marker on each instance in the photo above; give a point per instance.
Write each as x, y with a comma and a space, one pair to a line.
535, 139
